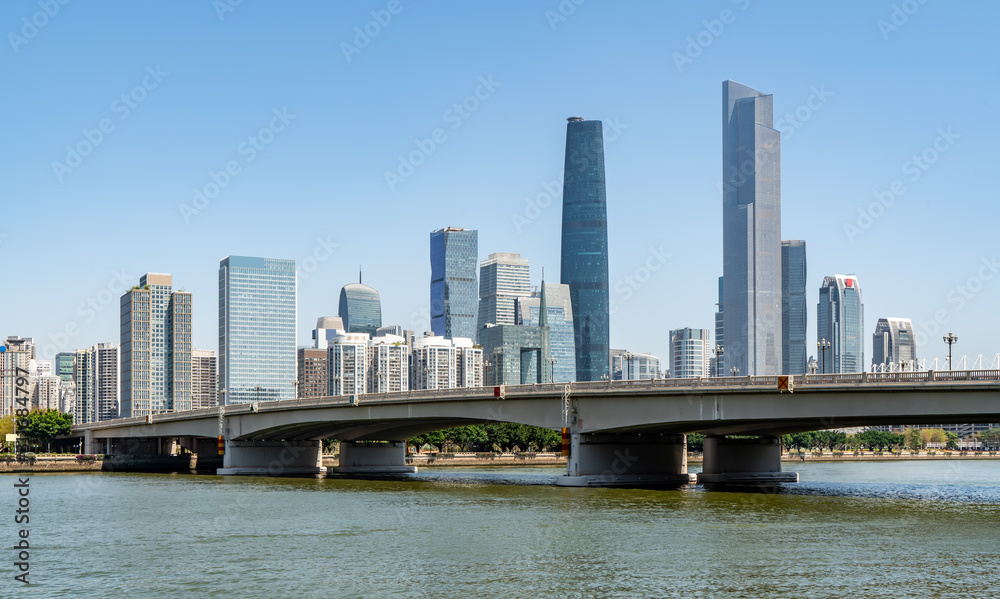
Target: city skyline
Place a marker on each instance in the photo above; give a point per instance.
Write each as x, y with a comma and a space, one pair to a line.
474, 179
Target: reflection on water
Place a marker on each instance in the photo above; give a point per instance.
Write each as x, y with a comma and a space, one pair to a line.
884, 529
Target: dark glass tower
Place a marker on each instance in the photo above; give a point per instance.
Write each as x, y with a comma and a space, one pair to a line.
360, 309
793, 306
454, 288
751, 231
585, 246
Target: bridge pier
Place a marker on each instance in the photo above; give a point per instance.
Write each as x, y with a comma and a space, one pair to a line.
743, 461
272, 458
607, 460
367, 457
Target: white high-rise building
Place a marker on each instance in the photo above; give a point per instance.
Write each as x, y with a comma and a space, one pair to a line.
348, 364
45, 391
95, 372
632, 366
327, 327
434, 363
469, 363
389, 364
690, 353
204, 379
503, 277
15, 361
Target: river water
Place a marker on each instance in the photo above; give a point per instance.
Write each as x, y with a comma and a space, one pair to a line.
859, 530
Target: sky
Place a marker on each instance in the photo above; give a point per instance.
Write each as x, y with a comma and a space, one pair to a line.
163, 136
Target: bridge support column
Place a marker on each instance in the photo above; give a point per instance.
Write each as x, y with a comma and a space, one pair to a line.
603, 460
367, 457
744, 461
89, 443
272, 457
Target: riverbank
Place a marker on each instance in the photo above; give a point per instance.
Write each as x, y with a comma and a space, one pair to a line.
696, 458
66, 463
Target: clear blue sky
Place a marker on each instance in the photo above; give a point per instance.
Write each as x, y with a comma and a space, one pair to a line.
322, 175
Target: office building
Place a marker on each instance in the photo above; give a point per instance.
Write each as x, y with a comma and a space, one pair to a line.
793, 307
751, 231
454, 290
512, 355
690, 353
390, 329
720, 336
389, 364
840, 322
95, 374
257, 312
559, 309
584, 252
894, 345
155, 348
63, 366
360, 308
503, 278
348, 364
631, 366
204, 379
433, 363
313, 372
327, 327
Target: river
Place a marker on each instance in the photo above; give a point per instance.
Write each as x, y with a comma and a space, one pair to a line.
860, 530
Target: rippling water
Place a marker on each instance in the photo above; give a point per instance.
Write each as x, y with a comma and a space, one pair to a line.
896, 529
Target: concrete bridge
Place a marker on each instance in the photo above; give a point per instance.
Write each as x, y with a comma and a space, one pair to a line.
620, 432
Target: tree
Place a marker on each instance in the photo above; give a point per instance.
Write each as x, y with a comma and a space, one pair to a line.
44, 426
990, 438
914, 440
952, 442
696, 442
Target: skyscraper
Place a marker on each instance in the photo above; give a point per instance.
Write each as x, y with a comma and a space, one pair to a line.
793, 307
257, 306
584, 264
204, 379
155, 348
840, 321
503, 278
18, 354
894, 344
360, 308
63, 366
96, 373
751, 231
559, 308
689, 353
720, 336
454, 290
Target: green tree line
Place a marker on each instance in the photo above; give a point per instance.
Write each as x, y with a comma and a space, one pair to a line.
504, 436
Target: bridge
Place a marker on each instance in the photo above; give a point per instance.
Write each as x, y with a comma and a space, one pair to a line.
620, 432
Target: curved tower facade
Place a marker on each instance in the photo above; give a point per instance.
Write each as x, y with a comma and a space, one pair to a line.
360, 309
584, 266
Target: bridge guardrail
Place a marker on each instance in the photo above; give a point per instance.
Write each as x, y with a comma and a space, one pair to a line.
528, 391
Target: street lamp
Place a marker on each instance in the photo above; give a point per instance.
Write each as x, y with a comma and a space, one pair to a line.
552, 367
950, 340
735, 371
719, 350
823, 345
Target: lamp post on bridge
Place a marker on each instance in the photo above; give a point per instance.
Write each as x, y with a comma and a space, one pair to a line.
552, 367
735, 371
719, 350
950, 340
823, 345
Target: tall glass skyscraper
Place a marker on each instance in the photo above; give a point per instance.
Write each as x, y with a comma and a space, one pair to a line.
793, 307
840, 319
894, 344
751, 231
454, 289
584, 265
503, 278
257, 305
360, 308
559, 311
